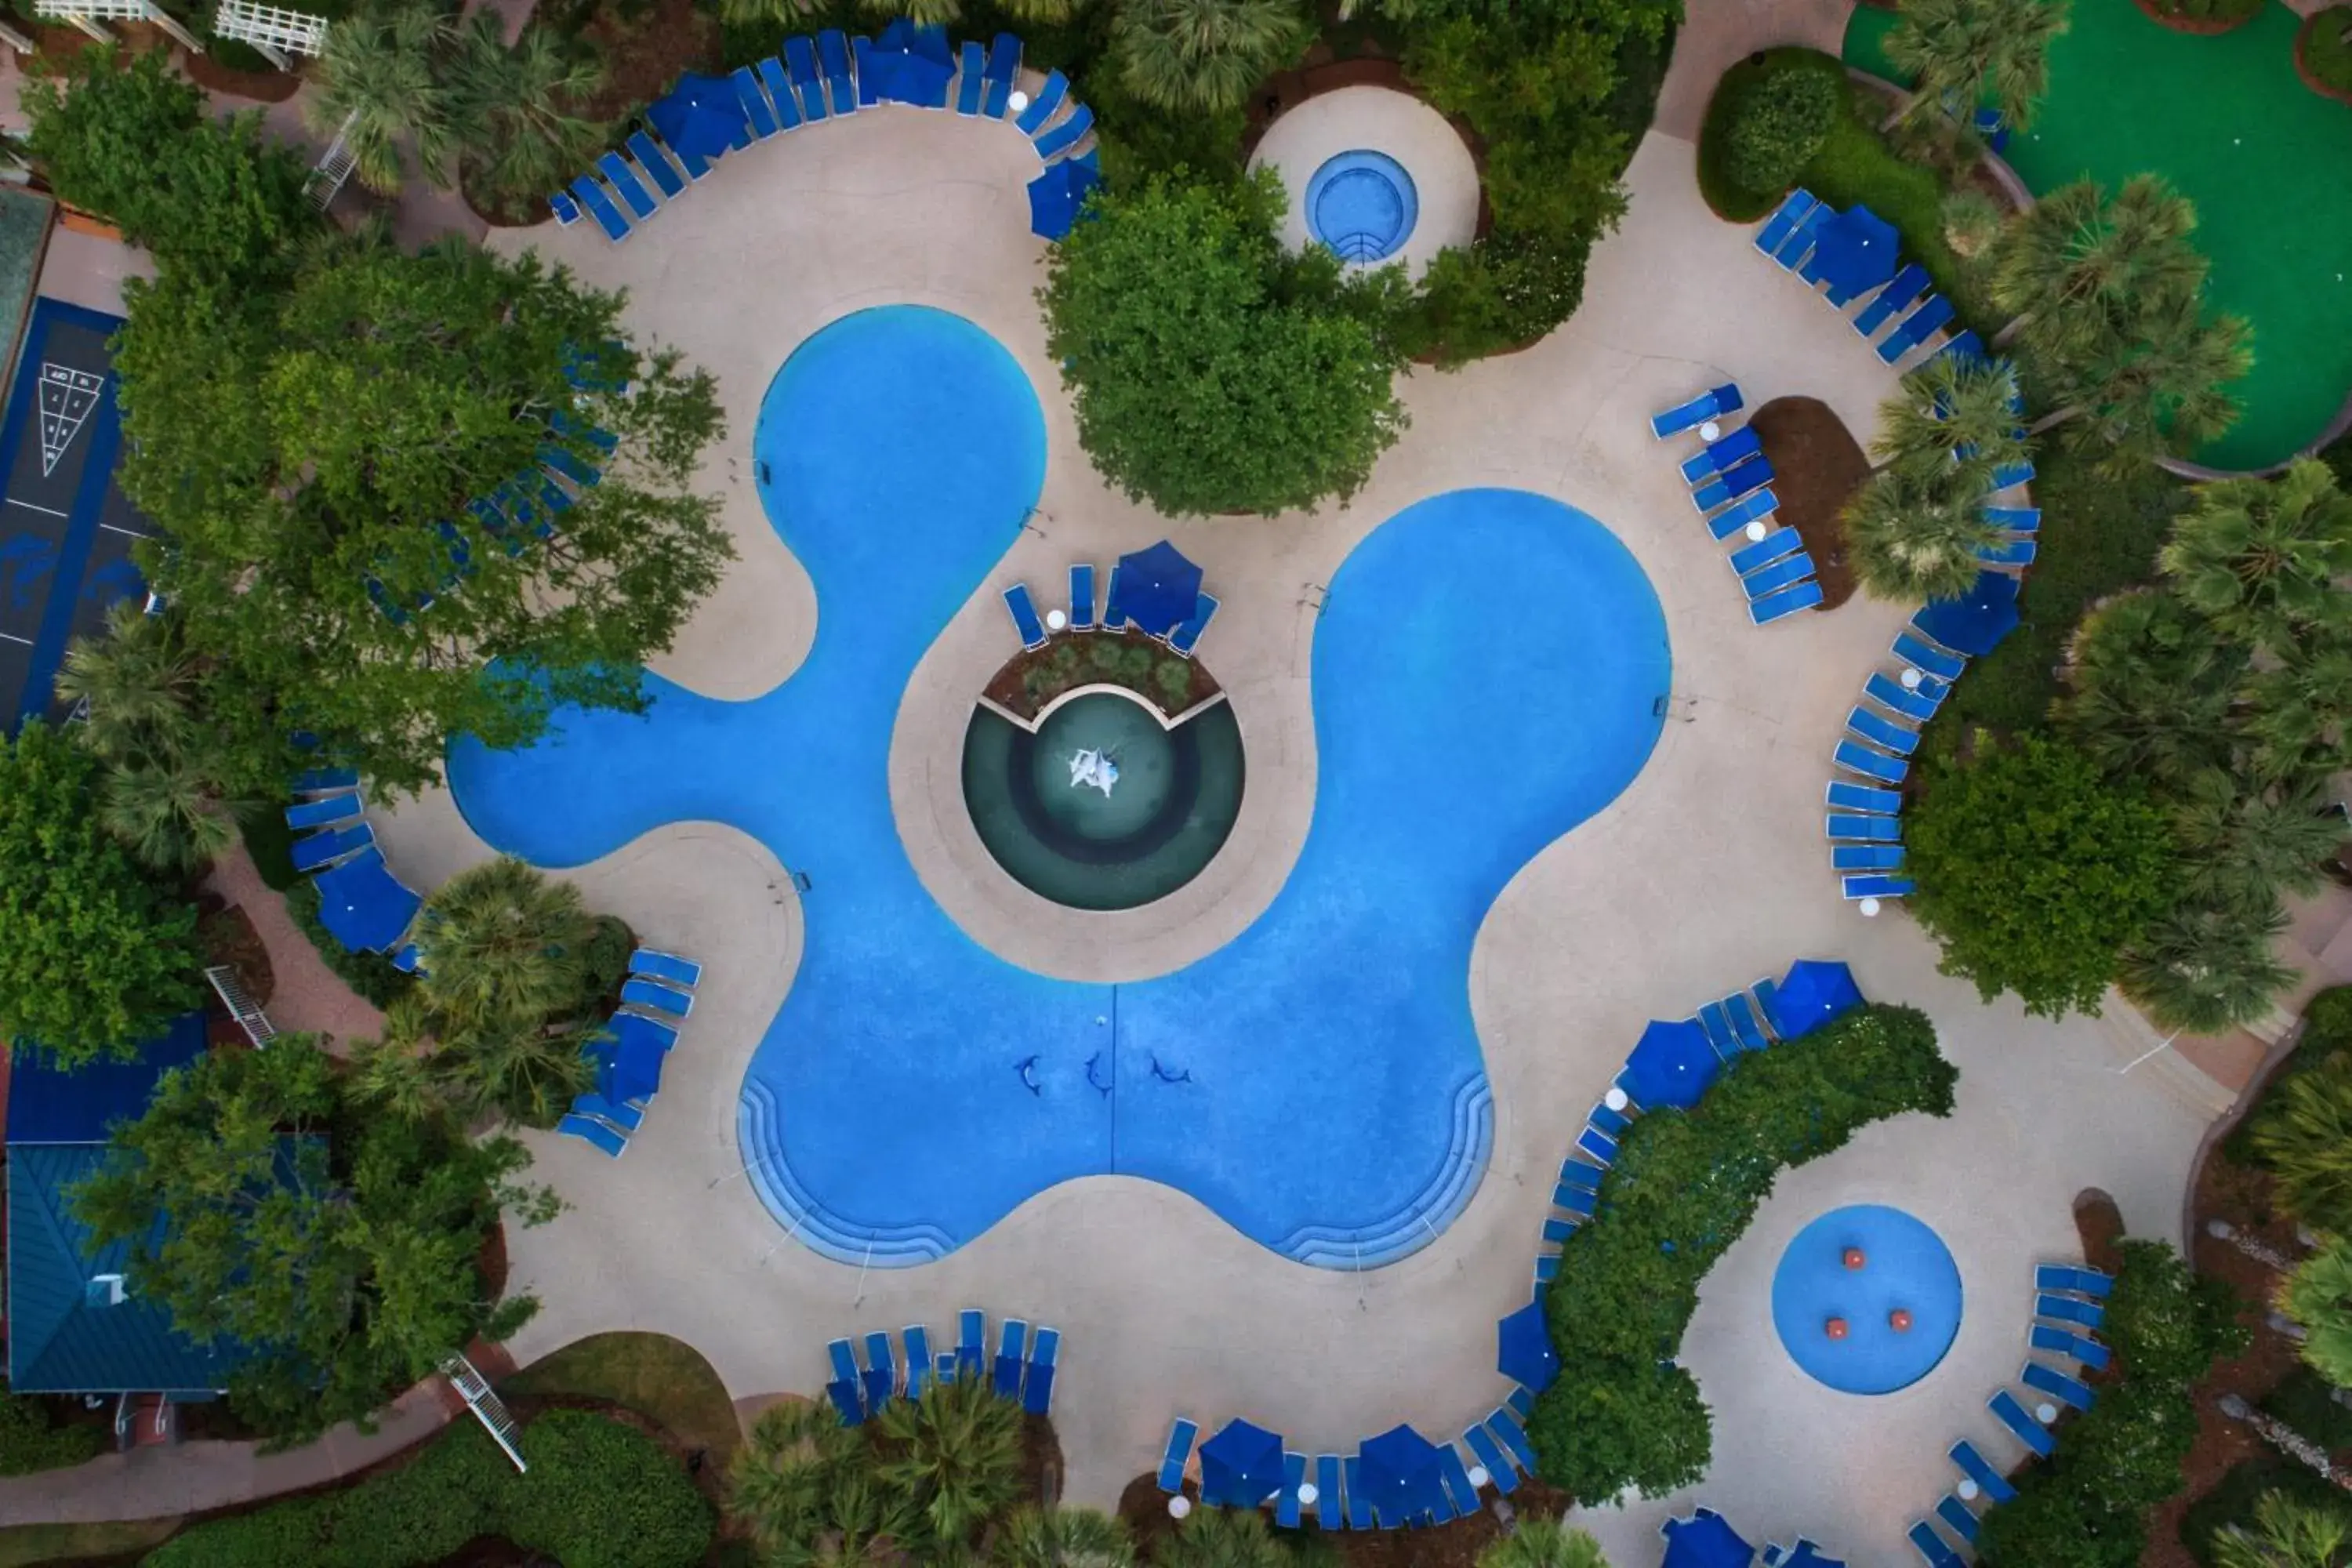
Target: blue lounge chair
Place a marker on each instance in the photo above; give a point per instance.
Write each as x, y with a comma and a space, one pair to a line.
623, 177
1003, 64
1360, 1506
1490, 1455
970, 61
1917, 704
1285, 1507
407, 959
2081, 1281
1916, 650
2049, 1380
1728, 486
1743, 1022
1706, 405
1599, 1145
1719, 1033
626, 1117
1012, 1347
1046, 105
1520, 1401
1575, 1173
1869, 885
1578, 1201
1892, 300
1882, 733
1456, 1476
780, 93
325, 781
325, 848
667, 967
1547, 1267
1787, 571
1026, 622
1932, 1548
1990, 1482
1713, 459
871, 87
833, 53
1186, 638
1763, 552
1065, 135
1800, 243
972, 1341
1330, 1503
1556, 1232
333, 809
800, 55
1753, 507
1862, 798
600, 207
566, 210
1771, 607
1964, 348
2066, 1309
1865, 829
595, 1133
1610, 1122
2022, 1426
845, 1360
2008, 552
1177, 1452
2015, 519
1505, 1427
1866, 858
1793, 209
1957, 1518
1082, 596
568, 464
640, 993
2058, 1342
1916, 328
1037, 1389
1860, 759
2009, 478
918, 1341
754, 99
881, 1379
846, 1402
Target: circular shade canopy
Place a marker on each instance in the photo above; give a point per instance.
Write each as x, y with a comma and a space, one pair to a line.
1904, 1268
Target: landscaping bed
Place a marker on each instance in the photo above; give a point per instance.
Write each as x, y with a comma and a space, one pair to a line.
1143, 1506
266, 85
2203, 16
1035, 677
663, 1379
1817, 464
2323, 53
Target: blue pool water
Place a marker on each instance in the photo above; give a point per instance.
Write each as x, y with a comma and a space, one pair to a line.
1486, 676
1362, 205
1905, 1265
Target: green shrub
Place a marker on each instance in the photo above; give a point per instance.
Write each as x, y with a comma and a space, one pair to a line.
1684, 1187
2305, 1401
2325, 47
1776, 124
29, 1442
1500, 293
1174, 678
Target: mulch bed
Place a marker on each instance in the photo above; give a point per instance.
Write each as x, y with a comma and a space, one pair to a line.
1008, 689
2204, 26
2332, 18
230, 939
1144, 1508
1816, 466
262, 86
643, 58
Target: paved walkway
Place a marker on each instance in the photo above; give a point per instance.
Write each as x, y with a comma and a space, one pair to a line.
1716, 33
1382, 120
306, 997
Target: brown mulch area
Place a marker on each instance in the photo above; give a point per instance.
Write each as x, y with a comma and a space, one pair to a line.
493, 1261
2311, 23
643, 58
1144, 1509
229, 940
1816, 464
1008, 687
2204, 26
262, 86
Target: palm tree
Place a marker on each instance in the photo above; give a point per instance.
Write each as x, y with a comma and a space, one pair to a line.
2302, 1136
394, 1076
781, 1477
503, 941
1203, 55
2288, 1532
754, 13
1952, 423
2201, 970
1952, 48
2294, 714
2154, 688
165, 807
951, 1456
2160, 384
2318, 1296
1036, 1537
137, 679
1543, 1543
522, 135
1221, 1537
2076, 262
382, 71
1910, 539
516, 1067
2241, 848
1973, 223
2260, 558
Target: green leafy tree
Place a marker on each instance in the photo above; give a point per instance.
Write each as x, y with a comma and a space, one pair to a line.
340, 1249
2034, 872
1212, 371
1955, 49
2078, 263
2287, 1532
2261, 559
316, 466
952, 1458
382, 85
1034, 1537
2302, 1136
2201, 970
94, 957
1544, 1543
520, 107
1221, 1537
2318, 1296
1204, 55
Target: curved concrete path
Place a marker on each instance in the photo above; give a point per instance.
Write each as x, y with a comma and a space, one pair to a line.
1378, 120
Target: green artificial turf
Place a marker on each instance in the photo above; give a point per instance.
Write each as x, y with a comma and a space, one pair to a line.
2263, 157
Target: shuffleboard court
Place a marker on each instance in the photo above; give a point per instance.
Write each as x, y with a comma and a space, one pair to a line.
66, 529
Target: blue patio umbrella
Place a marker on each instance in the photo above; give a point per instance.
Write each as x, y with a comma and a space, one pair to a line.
1704, 1540
362, 904
1975, 623
1523, 1350
1671, 1065
701, 117
1241, 1467
1813, 992
1808, 1555
631, 1068
1055, 196
1158, 588
1401, 1475
1856, 250
920, 78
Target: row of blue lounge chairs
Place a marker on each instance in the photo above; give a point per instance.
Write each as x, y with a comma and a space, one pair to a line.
1031, 627
828, 77
1881, 733
656, 997
2068, 1298
1022, 1369
1787, 237
362, 905
1497, 1446
1729, 481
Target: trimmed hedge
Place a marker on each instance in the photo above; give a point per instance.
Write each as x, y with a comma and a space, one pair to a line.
1775, 125
598, 1494
1684, 1187
29, 1442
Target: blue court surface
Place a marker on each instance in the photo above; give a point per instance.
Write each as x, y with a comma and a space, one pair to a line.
66, 528
1487, 675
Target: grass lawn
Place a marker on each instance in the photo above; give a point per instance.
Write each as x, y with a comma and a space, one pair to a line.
21, 1544
658, 1377
2228, 120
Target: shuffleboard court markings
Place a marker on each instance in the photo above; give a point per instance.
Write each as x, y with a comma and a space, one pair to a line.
69, 393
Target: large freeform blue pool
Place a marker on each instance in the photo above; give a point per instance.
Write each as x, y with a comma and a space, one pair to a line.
1488, 674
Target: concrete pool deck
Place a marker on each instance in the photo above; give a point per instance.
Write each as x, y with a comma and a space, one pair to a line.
1708, 871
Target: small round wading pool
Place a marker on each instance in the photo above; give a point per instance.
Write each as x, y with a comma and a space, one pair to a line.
1866, 1299
1361, 205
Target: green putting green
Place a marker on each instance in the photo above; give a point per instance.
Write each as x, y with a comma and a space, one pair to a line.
2263, 157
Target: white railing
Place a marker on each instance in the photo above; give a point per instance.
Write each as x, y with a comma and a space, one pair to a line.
486, 1407
88, 14
17, 40
241, 1005
275, 33
334, 166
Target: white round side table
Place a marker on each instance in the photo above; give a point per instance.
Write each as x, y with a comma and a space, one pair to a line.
1055, 620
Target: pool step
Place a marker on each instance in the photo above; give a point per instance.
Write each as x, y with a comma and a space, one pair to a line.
759, 1138
1419, 1221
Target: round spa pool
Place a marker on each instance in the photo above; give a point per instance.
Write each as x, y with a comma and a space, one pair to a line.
1361, 204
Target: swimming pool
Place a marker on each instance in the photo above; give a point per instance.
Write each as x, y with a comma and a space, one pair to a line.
1362, 206
1317, 1082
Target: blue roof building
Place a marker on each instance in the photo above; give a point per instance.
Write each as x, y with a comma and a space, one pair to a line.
72, 1326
